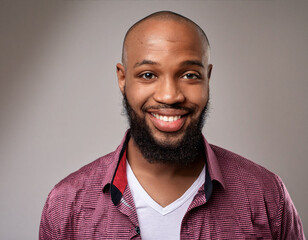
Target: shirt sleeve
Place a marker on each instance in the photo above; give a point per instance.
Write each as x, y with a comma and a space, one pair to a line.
47, 229
290, 222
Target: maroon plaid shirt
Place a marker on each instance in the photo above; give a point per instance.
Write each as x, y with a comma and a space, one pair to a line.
239, 200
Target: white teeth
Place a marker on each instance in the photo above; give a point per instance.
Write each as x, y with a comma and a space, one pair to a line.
166, 118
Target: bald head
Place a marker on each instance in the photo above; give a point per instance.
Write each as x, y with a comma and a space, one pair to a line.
163, 16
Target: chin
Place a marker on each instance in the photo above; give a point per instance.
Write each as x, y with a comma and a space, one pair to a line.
168, 139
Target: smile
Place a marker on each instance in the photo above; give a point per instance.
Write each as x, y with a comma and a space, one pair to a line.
166, 118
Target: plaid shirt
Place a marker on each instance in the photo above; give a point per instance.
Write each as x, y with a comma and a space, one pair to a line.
239, 200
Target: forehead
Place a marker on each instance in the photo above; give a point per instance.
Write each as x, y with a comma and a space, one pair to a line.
165, 37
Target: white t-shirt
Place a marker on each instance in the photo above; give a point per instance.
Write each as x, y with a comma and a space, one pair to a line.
155, 221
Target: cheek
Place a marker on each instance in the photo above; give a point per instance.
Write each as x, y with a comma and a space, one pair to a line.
137, 94
197, 95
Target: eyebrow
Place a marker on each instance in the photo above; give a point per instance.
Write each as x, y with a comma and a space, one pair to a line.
145, 62
192, 62
183, 64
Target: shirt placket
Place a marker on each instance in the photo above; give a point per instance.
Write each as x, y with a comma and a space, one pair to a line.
127, 207
187, 226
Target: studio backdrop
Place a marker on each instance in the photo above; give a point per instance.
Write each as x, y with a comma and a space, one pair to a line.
60, 106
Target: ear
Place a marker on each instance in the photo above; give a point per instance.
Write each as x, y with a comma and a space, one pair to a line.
121, 76
209, 71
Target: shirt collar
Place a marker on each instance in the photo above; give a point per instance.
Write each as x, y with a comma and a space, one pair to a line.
115, 165
117, 179
213, 164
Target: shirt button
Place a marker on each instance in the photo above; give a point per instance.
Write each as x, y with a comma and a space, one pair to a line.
137, 230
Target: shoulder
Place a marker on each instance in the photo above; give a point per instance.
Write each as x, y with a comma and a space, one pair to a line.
72, 190
248, 182
264, 191
89, 175
233, 165
79, 191
75, 192
245, 179
94, 171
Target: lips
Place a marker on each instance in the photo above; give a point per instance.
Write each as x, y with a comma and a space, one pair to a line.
168, 120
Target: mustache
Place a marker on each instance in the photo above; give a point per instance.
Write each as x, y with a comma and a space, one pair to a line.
168, 106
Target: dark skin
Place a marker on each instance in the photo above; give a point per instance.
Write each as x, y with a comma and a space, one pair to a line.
166, 62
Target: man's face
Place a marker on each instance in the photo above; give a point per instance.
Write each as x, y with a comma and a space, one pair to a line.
166, 78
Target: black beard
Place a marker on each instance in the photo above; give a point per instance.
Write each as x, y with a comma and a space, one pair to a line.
182, 153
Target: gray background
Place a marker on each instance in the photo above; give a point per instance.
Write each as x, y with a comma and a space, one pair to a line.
60, 105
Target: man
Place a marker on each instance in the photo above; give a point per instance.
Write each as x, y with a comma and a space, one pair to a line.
165, 181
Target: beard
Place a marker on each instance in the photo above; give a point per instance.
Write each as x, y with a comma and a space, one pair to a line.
183, 152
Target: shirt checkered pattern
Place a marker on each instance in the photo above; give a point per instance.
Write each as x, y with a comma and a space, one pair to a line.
239, 200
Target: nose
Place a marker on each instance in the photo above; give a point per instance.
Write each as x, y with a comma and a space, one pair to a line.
168, 91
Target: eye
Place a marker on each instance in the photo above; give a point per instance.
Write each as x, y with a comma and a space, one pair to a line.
147, 75
191, 76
